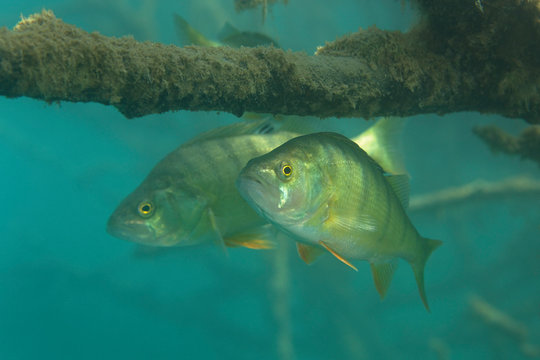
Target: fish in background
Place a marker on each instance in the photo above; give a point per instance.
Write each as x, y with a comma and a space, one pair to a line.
190, 197
229, 36
328, 194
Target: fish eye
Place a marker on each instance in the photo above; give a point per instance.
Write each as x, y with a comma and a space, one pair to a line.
286, 170
145, 208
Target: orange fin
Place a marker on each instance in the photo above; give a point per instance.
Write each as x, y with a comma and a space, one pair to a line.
340, 258
253, 241
382, 276
308, 253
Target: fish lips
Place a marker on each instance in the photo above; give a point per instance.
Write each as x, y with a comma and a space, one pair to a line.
134, 230
259, 194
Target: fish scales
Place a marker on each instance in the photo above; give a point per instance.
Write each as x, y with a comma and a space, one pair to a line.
360, 189
214, 179
190, 194
327, 193
189, 197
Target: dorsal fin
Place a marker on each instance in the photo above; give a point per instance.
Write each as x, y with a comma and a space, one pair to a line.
382, 141
264, 126
299, 124
400, 185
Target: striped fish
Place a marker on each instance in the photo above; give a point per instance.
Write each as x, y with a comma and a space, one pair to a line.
329, 195
190, 197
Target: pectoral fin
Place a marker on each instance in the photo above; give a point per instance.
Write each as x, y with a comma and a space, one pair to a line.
382, 275
215, 233
340, 258
308, 253
255, 240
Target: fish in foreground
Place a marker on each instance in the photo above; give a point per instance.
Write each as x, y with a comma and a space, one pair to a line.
190, 196
328, 194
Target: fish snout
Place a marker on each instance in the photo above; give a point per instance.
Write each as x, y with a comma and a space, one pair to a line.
257, 191
134, 230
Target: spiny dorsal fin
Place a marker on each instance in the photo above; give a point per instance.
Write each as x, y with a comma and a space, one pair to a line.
308, 253
264, 126
300, 124
382, 141
260, 124
382, 275
400, 185
339, 257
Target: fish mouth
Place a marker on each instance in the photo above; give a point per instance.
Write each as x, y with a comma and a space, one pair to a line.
257, 193
135, 231
140, 232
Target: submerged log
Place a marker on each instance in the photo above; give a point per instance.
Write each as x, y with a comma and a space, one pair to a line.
460, 57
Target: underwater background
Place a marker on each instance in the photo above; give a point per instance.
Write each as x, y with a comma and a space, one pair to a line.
70, 290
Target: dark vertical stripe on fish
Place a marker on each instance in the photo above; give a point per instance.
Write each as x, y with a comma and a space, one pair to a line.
228, 149
388, 214
405, 223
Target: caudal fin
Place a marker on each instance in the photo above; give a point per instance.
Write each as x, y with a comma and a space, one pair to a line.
419, 264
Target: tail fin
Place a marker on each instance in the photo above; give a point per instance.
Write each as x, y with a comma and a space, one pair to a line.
382, 141
419, 264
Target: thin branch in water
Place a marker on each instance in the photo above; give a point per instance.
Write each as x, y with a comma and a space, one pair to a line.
520, 185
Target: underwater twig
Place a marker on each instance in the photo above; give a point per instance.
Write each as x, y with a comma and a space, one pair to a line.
527, 144
477, 189
503, 322
457, 60
498, 319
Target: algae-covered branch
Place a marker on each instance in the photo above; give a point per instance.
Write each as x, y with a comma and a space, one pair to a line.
526, 145
433, 68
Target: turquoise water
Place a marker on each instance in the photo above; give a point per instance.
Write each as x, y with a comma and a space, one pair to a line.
69, 290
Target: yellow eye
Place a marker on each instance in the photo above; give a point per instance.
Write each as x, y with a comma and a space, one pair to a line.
145, 208
287, 170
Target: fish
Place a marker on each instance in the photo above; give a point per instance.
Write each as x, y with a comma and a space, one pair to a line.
190, 197
329, 195
233, 37
229, 36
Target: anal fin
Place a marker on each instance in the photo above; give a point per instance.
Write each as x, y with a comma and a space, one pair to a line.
308, 253
382, 275
339, 257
